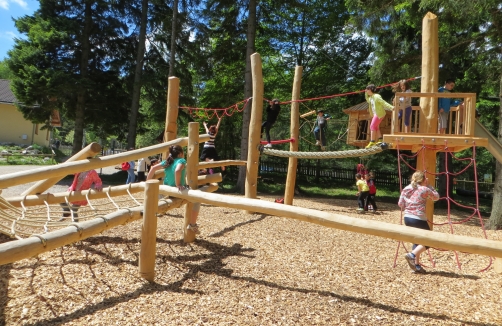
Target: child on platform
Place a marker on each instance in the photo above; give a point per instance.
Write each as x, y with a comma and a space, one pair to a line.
370, 200
362, 192
413, 200
209, 152
404, 103
174, 170
376, 110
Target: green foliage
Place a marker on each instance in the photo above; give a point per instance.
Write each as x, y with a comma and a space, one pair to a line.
5, 72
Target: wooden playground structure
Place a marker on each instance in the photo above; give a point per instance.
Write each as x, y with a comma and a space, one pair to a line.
54, 233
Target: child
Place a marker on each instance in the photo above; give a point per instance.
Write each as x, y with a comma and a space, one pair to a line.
362, 194
404, 103
209, 150
361, 169
131, 177
320, 129
81, 181
273, 110
413, 199
143, 164
372, 192
174, 169
376, 109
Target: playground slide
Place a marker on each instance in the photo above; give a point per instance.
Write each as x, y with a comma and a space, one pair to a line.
494, 146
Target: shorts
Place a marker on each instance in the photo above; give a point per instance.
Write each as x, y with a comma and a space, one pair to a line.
443, 119
375, 123
210, 153
416, 223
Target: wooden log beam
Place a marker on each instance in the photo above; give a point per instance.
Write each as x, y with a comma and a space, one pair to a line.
56, 198
381, 229
251, 183
209, 178
289, 191
90, 150
215, 164
147, 253
17, 178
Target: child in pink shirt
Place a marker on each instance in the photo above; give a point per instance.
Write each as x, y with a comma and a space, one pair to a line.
413, 200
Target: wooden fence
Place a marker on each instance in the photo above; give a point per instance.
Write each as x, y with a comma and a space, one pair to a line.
344, 175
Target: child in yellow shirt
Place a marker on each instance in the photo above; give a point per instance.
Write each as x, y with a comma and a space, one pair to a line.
363, 192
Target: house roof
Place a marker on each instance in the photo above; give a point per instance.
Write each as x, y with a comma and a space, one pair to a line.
6, 95
358, 107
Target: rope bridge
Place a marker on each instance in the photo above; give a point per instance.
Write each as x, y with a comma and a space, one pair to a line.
324, 155
31, 217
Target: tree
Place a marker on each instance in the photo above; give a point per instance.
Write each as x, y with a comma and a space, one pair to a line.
68, 61
5, 72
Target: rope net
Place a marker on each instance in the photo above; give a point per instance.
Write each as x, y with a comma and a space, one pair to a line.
22, 222
446, 222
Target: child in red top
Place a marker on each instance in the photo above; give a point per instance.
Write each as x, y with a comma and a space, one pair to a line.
81, 181
370, 200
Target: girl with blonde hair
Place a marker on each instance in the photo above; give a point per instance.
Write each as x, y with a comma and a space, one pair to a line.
413, 200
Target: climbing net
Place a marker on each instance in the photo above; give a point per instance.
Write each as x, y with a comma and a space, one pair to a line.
22, 222
446, 223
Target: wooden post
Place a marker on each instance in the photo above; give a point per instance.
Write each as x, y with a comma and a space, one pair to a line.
173, 93
430, 72
149, 231
295, 134
90, 150
254, 128
426, 160
191, 175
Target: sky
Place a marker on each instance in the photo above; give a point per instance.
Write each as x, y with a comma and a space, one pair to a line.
12, 9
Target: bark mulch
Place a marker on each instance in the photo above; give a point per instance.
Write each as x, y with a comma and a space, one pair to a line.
253, 269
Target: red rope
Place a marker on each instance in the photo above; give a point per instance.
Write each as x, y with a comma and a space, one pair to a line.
229, 111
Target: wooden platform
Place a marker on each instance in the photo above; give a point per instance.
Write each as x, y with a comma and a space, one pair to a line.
414, 142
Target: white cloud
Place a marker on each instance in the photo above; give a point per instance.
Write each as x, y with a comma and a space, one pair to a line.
4, 4
22, 3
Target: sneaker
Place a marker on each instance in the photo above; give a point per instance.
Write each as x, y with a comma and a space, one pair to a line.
419, 269
317, 143
269, 145
360, 210
410, 258
194, 228
379, 141
370, 144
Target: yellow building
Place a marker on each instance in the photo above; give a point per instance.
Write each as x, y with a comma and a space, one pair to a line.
14, 128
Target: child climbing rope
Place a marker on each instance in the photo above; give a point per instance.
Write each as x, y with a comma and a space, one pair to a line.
413, 199
209, 152
273, 110
321, 126
376, 109
174, 169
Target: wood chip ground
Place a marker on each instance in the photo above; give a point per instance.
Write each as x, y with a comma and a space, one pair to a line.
254, 269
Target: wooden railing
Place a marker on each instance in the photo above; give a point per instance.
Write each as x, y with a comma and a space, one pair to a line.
461, 120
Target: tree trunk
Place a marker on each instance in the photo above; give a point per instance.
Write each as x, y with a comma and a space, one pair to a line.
248, 92
172, 55
81, 94
136, 91
496, 214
